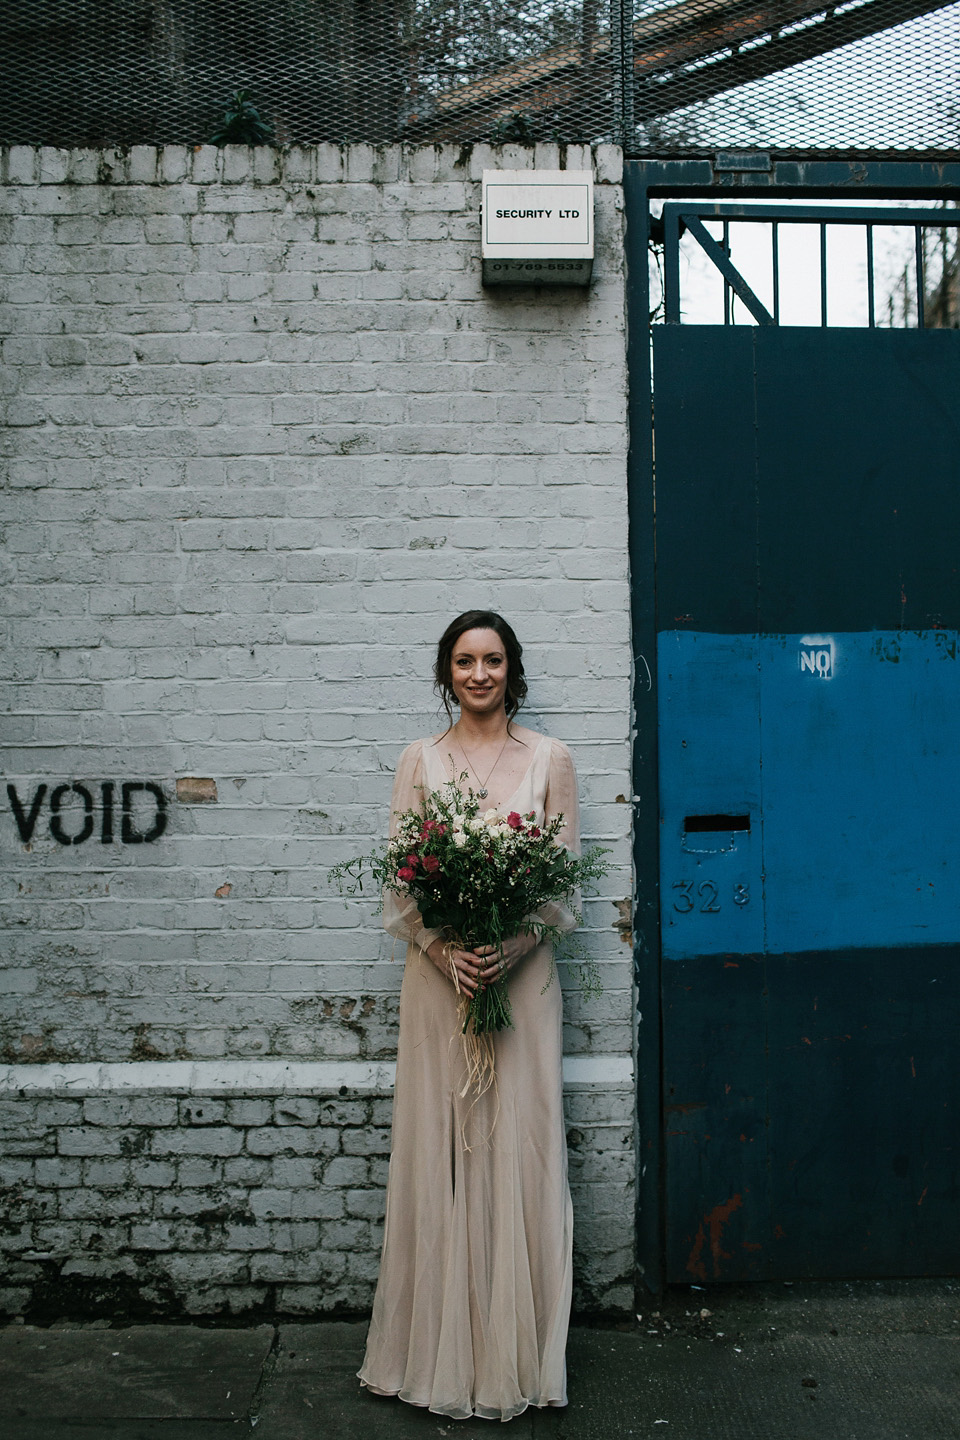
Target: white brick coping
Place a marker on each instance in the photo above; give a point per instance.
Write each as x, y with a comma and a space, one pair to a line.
266, 1077
309, 164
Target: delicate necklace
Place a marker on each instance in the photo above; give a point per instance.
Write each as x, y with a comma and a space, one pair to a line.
483, 792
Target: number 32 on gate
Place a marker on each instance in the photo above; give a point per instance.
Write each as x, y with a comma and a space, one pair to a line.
704, 897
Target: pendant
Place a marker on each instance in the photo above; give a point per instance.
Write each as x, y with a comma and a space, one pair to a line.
482, 794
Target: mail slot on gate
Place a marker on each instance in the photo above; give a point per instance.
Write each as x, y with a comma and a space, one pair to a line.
709, 824
537, 227
712, 834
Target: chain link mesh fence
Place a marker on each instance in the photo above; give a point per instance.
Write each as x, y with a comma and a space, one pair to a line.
664, 77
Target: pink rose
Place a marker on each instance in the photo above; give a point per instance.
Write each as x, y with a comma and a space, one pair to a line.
406, 874
413, 861
514, 820
431, 864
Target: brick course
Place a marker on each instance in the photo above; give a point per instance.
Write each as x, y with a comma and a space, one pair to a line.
269, 1211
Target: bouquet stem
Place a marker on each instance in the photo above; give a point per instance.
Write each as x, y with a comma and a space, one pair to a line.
489, 1009
480, 1014
478, 1056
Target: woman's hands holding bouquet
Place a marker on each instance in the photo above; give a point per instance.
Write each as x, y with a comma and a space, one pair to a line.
471, 969
499, 963
460, 966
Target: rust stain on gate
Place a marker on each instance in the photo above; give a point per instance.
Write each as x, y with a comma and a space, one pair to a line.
713, 1224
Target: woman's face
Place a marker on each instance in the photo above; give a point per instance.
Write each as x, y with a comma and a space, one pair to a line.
478, 672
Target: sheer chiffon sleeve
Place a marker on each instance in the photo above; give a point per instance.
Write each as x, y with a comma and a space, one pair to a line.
562, 799
401, 918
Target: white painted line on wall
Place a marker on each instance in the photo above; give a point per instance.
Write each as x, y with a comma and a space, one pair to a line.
250, 1077
613, 1071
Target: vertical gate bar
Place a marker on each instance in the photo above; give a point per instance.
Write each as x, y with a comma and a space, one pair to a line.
823, 272
921, 278
646, 830
775, 234
871, 297
726, 282
671, 265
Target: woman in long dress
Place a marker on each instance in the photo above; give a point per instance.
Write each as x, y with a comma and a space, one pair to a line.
473, 1299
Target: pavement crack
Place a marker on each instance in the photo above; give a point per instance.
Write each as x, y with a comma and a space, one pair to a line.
267, 1370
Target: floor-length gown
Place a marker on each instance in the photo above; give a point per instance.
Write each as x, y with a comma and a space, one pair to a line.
472, 1304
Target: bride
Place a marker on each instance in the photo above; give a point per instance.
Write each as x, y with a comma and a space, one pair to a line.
473, 1299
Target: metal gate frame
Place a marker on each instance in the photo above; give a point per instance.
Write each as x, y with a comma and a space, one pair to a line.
723, 177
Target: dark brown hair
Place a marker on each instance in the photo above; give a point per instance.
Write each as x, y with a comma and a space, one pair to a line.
480, 620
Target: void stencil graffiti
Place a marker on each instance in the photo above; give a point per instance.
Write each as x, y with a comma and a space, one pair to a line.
131, 811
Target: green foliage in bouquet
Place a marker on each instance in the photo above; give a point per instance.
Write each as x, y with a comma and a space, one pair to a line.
479, 876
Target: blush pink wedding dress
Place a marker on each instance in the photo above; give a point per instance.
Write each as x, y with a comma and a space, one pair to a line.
473, 1300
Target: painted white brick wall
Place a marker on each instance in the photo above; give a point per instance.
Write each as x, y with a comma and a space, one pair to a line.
266, 434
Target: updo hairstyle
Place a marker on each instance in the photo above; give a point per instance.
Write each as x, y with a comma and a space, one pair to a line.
480, 620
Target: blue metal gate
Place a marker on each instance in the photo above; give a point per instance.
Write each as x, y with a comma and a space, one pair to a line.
807, 692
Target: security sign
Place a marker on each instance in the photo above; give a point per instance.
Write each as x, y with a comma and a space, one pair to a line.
537, 227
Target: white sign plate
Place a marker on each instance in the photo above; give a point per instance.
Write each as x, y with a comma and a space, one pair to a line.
537, 226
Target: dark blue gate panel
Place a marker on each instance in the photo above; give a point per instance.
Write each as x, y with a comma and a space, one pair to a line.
812, 1115
865, 1149
808, 601
807, 480
857, 468
841, 752
716, 1119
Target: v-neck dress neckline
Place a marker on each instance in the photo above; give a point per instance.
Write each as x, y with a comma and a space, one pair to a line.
437, 770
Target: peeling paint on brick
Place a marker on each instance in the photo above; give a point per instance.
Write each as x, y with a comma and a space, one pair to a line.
194, 790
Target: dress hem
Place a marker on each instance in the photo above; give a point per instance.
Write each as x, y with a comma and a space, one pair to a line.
461, 1414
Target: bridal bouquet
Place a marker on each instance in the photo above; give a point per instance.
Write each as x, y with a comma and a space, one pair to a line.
479, 875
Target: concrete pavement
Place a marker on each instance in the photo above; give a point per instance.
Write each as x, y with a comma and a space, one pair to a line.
809, 1361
